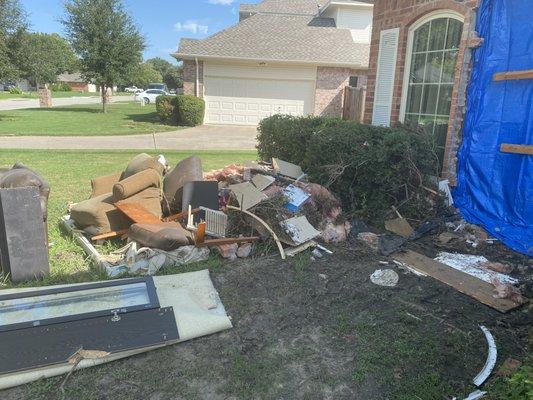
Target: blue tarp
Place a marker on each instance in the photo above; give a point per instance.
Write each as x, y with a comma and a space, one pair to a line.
495, 189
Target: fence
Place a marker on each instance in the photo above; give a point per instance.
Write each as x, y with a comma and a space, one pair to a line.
354, 103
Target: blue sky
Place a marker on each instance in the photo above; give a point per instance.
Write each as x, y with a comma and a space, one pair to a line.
162, 22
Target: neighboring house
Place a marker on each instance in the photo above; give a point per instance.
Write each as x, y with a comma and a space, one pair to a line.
77, 83
22, 84
289, 57
419, 68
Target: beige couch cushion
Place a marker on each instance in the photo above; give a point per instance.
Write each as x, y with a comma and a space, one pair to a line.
140, 163
165, 236
136, 183
100, 213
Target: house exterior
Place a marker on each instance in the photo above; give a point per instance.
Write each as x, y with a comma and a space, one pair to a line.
77, 83
289, 57
420, 67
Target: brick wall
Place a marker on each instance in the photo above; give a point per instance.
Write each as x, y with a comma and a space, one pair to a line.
330, 83
402, 14
189, 77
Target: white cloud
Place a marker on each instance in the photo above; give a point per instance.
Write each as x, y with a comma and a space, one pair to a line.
221, 2
191, 26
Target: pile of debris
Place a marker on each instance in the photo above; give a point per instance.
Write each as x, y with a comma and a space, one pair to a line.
227, 210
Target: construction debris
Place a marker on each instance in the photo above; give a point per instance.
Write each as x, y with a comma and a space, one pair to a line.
492, 354
385, 277
299, 229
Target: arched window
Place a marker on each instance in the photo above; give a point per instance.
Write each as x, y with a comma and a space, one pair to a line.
433, 45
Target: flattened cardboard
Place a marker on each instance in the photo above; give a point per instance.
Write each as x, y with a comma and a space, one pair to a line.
247, 195
299, 229
287, 169
261, 181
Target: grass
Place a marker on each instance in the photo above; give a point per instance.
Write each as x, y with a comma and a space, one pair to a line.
83, 120
57, 95
69, 174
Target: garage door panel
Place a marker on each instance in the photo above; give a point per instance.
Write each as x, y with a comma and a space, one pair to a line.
234, 100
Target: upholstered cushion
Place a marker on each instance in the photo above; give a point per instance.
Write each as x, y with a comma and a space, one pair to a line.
140, 163
136, 183
104, 184
187, 170
165, 236
100, 213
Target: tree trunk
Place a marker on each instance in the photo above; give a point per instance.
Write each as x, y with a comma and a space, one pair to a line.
103, 90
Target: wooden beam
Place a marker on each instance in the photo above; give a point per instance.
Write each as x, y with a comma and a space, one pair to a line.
137, 213
180, 216
511, 75
517, 149
476, 288
218, 242
109, 235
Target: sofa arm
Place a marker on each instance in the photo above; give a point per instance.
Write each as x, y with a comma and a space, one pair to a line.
104, 184
135, 184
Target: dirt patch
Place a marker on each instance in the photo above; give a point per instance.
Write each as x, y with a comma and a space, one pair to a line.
314, 330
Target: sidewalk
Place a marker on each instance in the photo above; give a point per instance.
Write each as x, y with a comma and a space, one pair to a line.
205, 137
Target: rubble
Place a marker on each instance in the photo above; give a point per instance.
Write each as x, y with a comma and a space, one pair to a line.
385, 277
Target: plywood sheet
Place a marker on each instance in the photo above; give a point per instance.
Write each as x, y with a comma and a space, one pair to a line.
247, 195
464, 283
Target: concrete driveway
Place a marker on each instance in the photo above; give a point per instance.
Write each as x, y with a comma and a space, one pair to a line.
205, 137
16, 104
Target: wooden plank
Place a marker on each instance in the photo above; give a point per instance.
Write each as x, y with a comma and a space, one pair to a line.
511, 75
218, 242
109, 235
137, 213
180, 216
464, 283
517, 149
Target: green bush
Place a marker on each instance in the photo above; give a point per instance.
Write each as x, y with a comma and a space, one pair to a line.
15, 90
61, 87
190, 110
369, 168
166, 109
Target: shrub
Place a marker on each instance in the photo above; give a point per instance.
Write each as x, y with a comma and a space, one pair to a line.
61, 87
190, 110
166, 109
369, 168
15, 90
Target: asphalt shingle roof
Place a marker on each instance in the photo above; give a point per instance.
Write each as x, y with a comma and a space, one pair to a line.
302, 7
278, 37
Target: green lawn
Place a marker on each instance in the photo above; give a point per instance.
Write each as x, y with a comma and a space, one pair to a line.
57, 95
69, 174
124, 118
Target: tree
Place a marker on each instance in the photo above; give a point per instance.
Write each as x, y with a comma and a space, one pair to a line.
12, 25
106, 40
143, 74
172, 74
41, 57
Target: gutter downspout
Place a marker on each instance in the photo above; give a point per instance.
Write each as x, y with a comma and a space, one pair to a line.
197, 86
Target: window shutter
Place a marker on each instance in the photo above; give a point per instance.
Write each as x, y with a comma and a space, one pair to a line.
386, 69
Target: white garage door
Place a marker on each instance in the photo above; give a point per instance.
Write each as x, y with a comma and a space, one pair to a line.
244, 95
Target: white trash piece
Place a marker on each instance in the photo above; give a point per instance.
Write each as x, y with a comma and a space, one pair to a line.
385, 277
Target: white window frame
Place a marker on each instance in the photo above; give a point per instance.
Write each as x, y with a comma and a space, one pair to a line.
409, 51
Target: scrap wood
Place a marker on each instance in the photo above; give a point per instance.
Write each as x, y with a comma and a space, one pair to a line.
181, 215
109, 235
464, 283
223, 241
263, 223
517, 149
78, 357
137, 213
491, 358
298, 249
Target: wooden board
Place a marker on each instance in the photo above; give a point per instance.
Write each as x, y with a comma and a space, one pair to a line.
517, 149
137, 213
506, 76
464, 283
399, 226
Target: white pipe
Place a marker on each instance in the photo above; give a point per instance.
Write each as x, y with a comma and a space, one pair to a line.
491, 358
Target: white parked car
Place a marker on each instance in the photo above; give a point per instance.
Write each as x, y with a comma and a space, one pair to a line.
133, 89
149, 95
